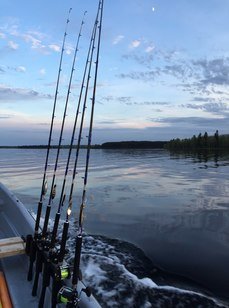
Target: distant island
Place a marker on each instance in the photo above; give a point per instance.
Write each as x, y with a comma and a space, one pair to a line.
106, 145
134, 145
198, 143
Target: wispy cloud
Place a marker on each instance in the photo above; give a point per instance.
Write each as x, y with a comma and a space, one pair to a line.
135, 43
203, 77
117, 39
141, 75
15, 94
35, 39
130, 101
6, 116
2, 35
145, 60
149, 49
21, 69
42, 71
13, 45
214, 108
54, 47
215, 71
204, 123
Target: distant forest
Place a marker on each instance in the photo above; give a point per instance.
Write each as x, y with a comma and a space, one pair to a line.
106, 145
200, 142
134, 145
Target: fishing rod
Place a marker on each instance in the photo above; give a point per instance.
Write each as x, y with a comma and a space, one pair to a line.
71, 296
31, 245
62, 198
62, 272
44, 183
52, 191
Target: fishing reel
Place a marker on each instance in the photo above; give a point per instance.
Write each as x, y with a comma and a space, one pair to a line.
62, 272
70, 297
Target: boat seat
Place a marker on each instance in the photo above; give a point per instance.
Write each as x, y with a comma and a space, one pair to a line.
11, 246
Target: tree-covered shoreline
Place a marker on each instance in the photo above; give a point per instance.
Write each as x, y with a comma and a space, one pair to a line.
106, 145
198, 143
201, 142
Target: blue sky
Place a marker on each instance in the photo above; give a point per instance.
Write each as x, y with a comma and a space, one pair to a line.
164, 68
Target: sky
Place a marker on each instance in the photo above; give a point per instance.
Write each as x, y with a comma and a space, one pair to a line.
163, 68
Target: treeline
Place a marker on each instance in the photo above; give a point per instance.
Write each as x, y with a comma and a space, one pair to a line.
200, 142
134, 145
95, 146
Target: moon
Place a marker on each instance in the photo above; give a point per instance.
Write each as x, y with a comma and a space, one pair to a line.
153, 9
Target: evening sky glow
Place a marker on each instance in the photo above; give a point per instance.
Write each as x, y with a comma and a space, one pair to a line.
164, 68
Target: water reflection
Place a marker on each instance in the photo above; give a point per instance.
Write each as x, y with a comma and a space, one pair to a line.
205, 156
174, 206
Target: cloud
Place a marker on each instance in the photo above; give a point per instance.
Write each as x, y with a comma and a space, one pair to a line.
6, 116
69, 49
2, 35
149, 49
214, 71
117, 39
213, 107
13, 45
195, 122
35, 39
149, 103
141, 75
128, 100
42, 71
54, 47
15, 94
135, 43
207, 77
21, 69
145, 60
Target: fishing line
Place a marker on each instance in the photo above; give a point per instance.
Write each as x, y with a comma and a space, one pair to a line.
56, 259
52, 254
62, 197
53, 186
44, 181
71, 295
31, 241
69, 209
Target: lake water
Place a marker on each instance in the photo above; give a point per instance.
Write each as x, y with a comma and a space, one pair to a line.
174, 207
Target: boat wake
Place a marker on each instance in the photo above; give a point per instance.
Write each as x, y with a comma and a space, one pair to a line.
120, 275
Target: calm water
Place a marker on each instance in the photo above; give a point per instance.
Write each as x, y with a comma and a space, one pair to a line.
175, 208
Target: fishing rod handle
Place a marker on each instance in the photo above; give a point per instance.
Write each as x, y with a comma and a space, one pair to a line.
39, 264
56, 286
32, 258
55, 229
28, 244
35, 284
39, 209
45, 227
76, 268
45, 282
63, 241
42, 298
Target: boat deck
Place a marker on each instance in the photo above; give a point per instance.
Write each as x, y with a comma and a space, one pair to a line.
15, 220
